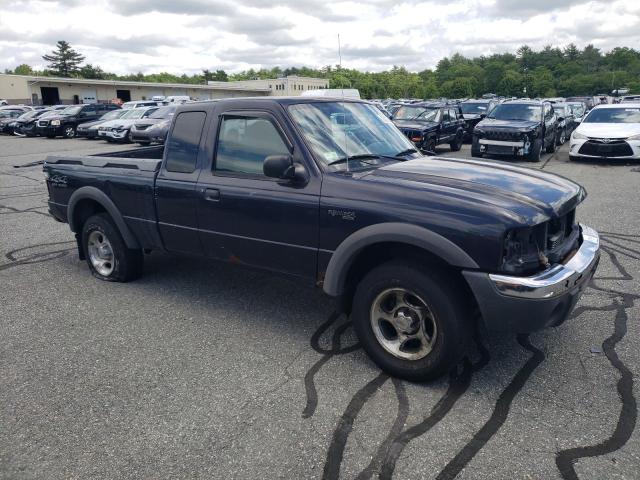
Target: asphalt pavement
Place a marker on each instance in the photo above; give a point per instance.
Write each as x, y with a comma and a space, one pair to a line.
203, 370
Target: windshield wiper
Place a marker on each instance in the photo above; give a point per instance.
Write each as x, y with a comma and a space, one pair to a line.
361, 157
406, 152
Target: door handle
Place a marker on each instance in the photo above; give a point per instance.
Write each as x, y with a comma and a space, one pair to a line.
212, 194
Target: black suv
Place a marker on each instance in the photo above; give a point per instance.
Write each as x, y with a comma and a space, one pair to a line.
431, 124
520, 128
473, 111
66, 123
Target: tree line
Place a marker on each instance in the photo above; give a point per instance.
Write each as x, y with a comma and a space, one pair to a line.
549, 72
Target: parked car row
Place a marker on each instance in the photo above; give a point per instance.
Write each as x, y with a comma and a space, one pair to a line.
141, 122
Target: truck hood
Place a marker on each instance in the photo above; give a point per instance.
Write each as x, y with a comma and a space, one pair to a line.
512, 125
609, 130
523, 195
412, 125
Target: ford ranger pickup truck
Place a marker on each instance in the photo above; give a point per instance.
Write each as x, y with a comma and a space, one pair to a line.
416, 249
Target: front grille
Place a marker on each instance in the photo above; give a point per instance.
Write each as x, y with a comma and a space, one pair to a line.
43, 123
411, 134
613, 148
561, 234
502, 135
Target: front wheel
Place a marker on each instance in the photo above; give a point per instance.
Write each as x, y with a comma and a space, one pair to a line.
412, 322
69, 131
551, 148
107, 255
536, 150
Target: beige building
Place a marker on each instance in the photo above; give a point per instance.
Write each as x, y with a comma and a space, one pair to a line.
53, 90
281, 87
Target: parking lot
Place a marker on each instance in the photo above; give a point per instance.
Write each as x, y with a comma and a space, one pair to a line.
203, 370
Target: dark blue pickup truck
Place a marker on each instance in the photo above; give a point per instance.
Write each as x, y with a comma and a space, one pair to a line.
329, 191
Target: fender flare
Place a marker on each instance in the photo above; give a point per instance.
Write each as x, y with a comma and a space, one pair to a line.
347, 251
92, 193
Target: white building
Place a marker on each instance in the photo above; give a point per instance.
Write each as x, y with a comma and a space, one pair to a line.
281, 87
32, 90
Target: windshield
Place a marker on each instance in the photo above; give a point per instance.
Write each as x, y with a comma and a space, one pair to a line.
163, 112
337, 130
423, 114
516, 111
559, 110
577, 110
474, 108
133, 113
613, 115
112, 115
29, 114
10, 113
71, 110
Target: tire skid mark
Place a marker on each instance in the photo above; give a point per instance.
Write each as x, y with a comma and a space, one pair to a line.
499, 415
13, 210
335, 453
627, 419
38, 257
614, 259
327, 354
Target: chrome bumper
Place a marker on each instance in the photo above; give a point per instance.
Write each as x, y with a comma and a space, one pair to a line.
502, 143
558, 279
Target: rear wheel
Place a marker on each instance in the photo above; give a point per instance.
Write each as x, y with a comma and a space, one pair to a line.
107, 255
411, 322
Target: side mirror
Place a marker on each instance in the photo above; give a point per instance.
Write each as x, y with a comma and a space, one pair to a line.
282, 167
483, 115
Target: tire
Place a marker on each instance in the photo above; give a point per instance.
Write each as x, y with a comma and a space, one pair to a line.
69, 131
448, 331
456, 145
562, 138
430, 145
129, 138
475, 149
108, 257
551, 148
536, 150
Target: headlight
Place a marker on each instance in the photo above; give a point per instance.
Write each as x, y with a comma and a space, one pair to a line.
634, 137
520, 249
477, 131
55, 123
578, 136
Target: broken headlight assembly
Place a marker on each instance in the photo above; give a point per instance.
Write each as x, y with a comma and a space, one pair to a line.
522, 253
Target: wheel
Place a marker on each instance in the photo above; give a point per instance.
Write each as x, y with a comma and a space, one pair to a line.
411, 322
475, 148
562, 137
551, 148
69, 131
107, 255
130, 137
430, 145
456, 145
536, 150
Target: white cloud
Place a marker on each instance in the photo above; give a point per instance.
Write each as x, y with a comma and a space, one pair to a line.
126, 36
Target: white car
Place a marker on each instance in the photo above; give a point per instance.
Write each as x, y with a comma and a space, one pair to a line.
608, 131
139, 104
119, 130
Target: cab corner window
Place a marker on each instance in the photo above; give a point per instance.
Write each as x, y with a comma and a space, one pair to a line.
184, 141
244, 143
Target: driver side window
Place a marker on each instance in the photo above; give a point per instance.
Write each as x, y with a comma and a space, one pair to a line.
244, 143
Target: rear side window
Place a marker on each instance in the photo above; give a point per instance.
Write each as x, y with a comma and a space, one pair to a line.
244, 143
184, 141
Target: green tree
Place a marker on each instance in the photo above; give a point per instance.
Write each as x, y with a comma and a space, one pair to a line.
23, 69
89, 71
64, 61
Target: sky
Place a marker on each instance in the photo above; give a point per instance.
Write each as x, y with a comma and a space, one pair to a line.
186, 36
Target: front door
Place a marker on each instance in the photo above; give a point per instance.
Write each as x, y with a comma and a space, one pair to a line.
248, 218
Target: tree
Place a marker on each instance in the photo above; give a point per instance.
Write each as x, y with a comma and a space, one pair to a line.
23, 69
64, 61
89, 71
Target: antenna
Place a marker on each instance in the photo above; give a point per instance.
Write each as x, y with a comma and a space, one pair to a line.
344, 109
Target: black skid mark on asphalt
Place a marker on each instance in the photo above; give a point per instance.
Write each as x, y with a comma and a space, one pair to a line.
30, 164
15, 259
499, 415
327, 354
566, 459
345, 426
384, 462
13, 211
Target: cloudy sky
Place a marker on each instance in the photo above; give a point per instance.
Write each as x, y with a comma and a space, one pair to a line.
177, 36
